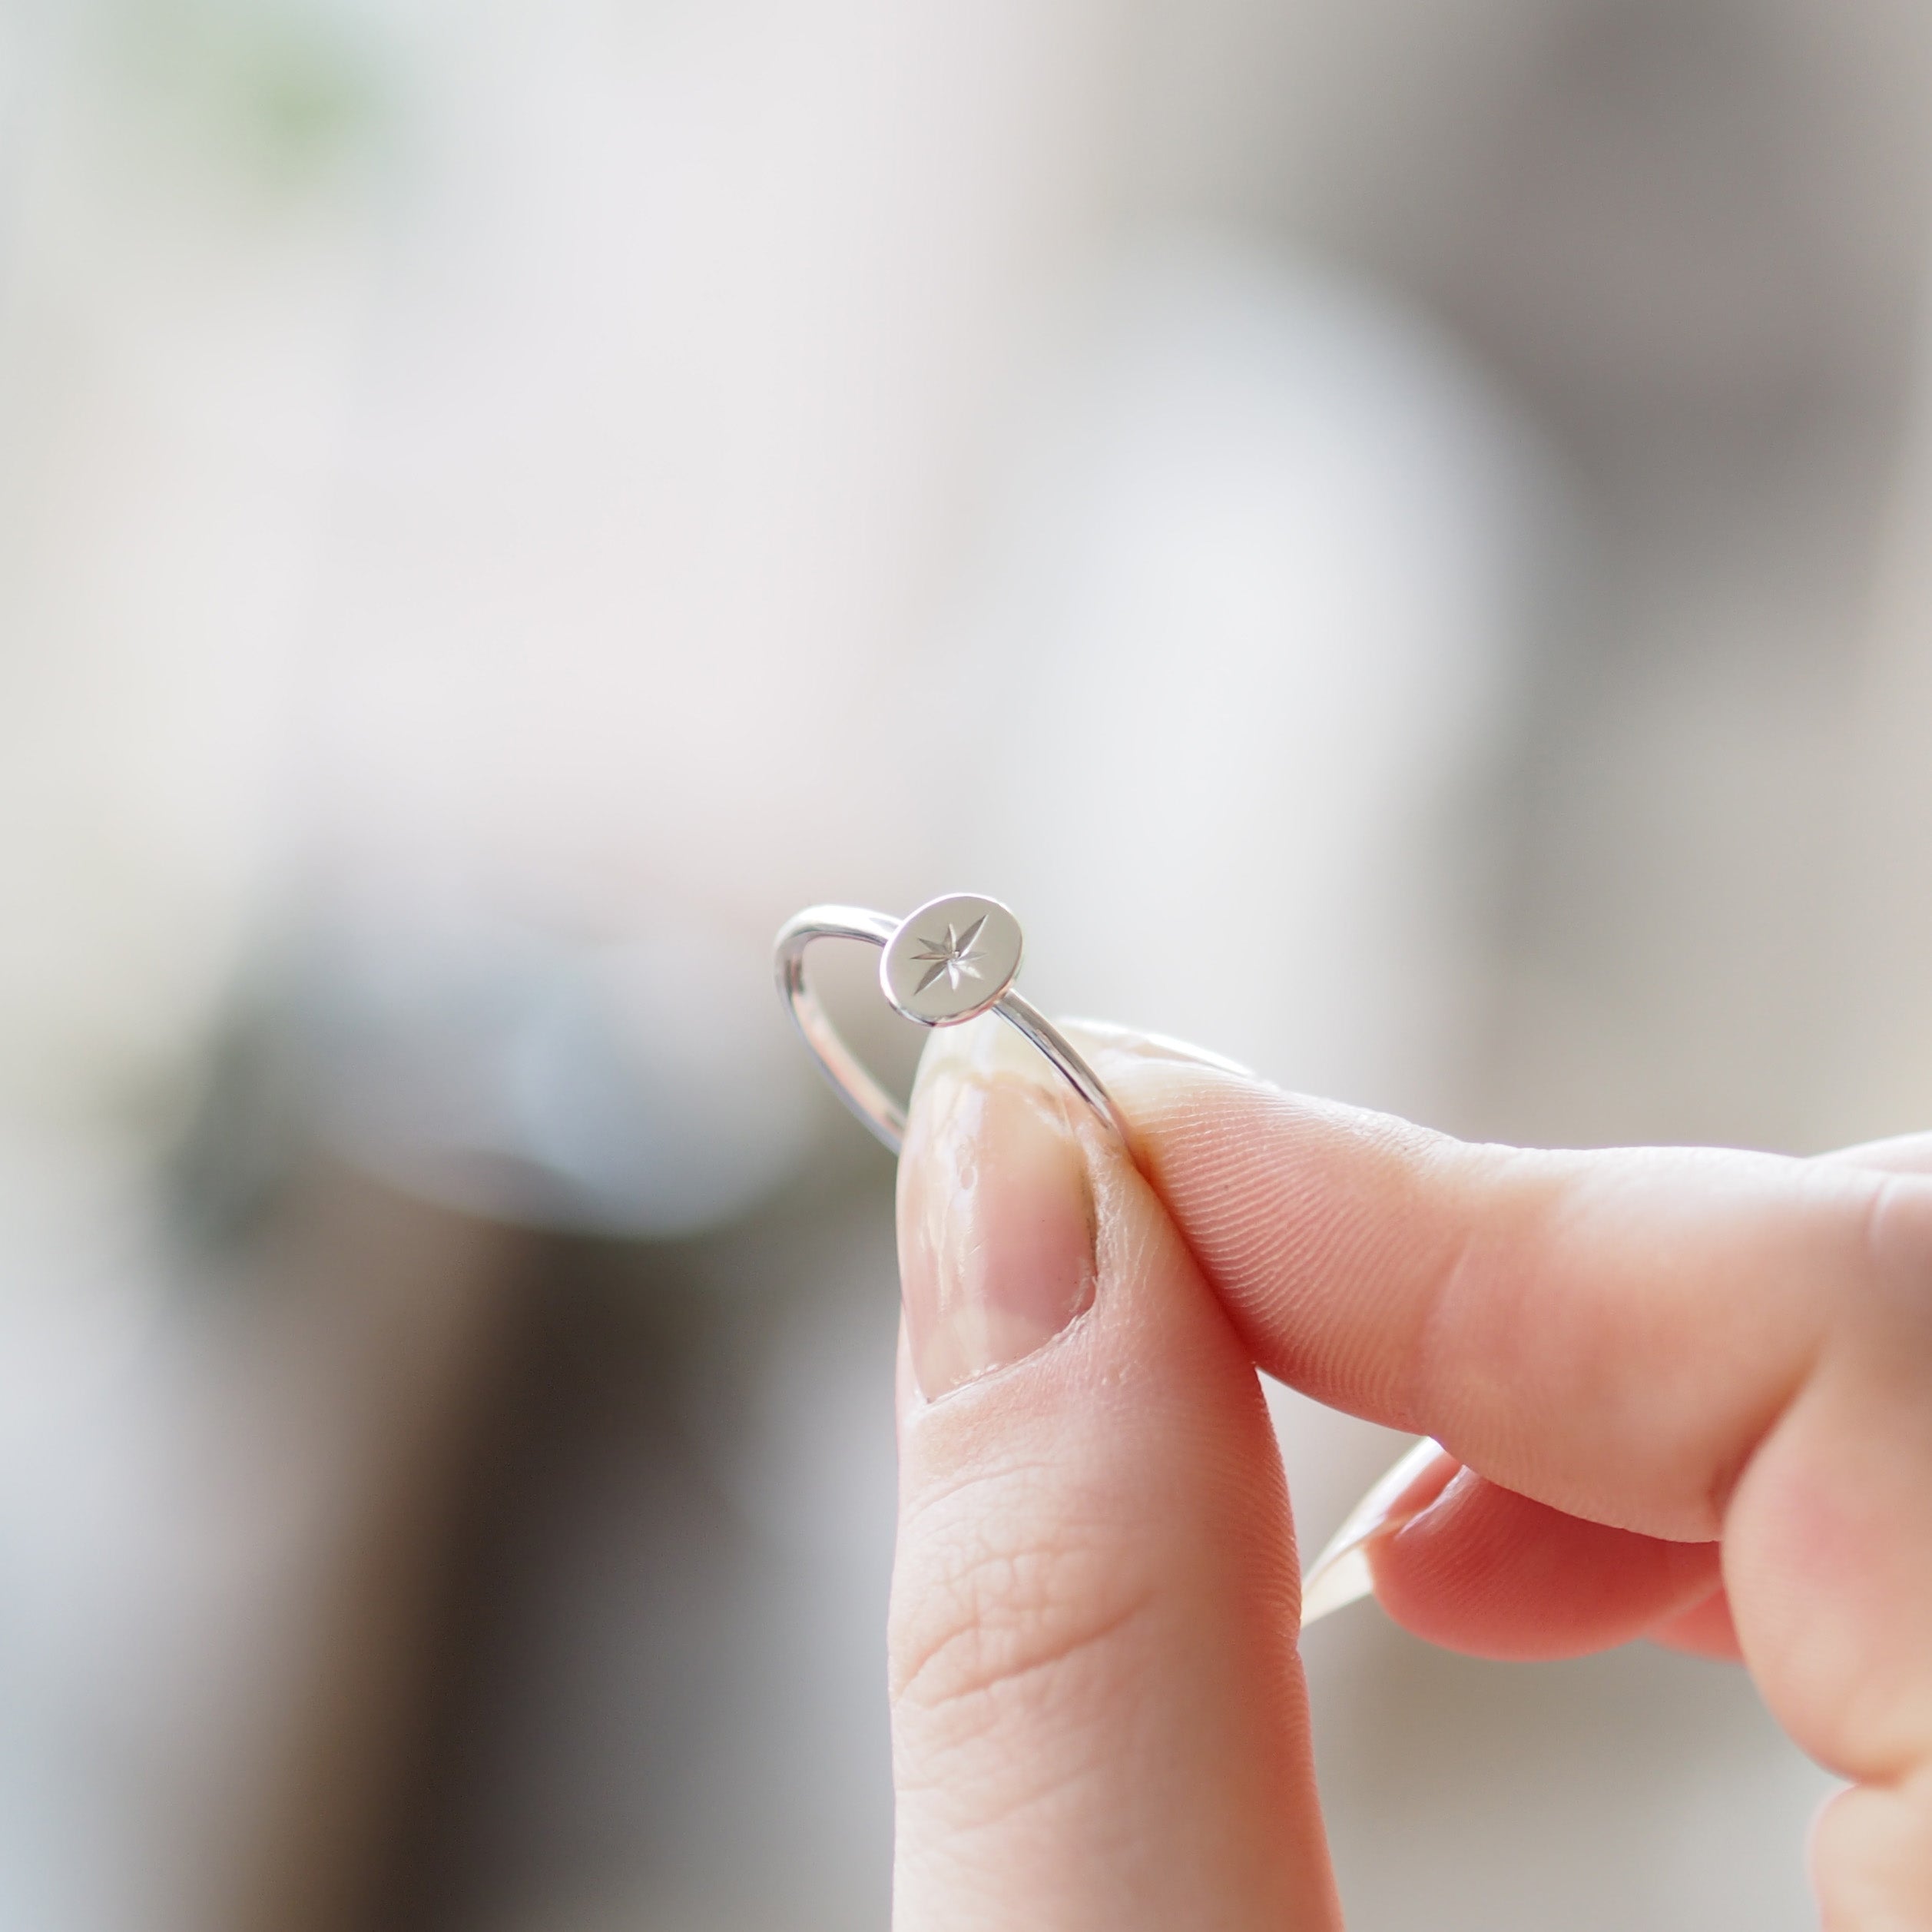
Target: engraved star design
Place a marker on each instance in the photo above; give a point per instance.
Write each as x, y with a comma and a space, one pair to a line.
951, 957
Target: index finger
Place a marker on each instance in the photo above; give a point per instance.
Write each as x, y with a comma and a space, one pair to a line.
1693, 1344
1612, 1333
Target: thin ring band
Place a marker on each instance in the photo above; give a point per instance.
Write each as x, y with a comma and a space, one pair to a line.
934, 999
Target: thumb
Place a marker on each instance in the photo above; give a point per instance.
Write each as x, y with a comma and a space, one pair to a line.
1098, 1716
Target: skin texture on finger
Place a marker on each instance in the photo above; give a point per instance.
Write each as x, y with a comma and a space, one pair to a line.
1098, 1714
1689, 1345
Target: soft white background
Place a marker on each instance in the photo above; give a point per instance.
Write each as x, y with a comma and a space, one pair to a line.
1390, 535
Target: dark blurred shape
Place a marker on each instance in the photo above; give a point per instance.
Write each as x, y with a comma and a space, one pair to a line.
655, 1699
648, 1087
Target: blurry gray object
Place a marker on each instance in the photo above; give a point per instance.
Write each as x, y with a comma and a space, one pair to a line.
1279, 555
646, 1088
1279, 552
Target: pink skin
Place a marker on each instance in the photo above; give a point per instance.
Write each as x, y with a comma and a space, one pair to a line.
1689, 1393
1485, 1570
998, 1237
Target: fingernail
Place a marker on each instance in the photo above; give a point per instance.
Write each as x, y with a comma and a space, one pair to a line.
996, 1216
1341, 1575
1102, 1036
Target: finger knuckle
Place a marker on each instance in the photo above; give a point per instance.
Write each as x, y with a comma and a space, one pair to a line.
1003, 1609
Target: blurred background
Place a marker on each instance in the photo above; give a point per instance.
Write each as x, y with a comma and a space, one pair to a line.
1418, 513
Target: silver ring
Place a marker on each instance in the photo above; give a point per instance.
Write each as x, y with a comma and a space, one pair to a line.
953, 960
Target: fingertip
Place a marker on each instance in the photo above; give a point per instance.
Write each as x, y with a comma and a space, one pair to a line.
1705, 1630
1135, 1046
1493, 1574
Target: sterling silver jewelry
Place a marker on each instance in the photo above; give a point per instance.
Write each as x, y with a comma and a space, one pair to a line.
953, 960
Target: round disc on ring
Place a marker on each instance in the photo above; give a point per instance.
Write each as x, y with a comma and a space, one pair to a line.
951, 959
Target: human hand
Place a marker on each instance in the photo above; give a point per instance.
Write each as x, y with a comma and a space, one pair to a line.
1684, 1393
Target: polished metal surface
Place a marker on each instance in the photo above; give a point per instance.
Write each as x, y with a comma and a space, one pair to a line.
949, 961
